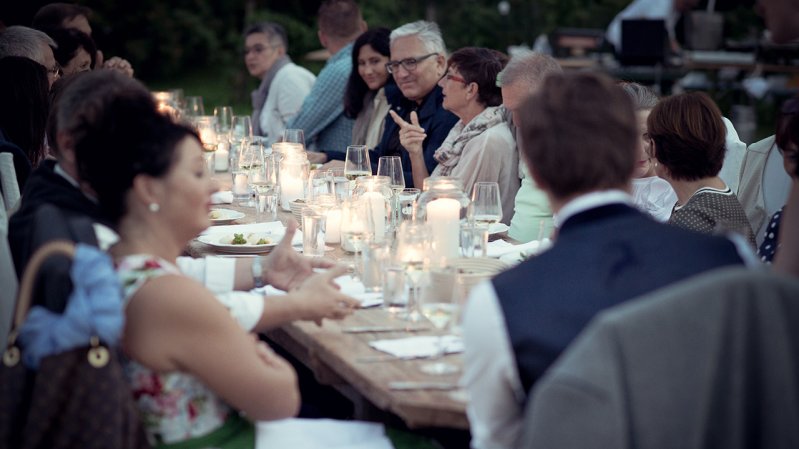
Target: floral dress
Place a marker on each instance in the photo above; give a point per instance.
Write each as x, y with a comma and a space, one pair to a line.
174, 406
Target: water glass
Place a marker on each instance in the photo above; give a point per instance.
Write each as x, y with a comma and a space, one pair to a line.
394, 296
224, 119
266, 203
194, 107
318, 184
339, 184
313, 232
407, 200
374, 258
474, 239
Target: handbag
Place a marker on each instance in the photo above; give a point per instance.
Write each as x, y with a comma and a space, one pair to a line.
77, 398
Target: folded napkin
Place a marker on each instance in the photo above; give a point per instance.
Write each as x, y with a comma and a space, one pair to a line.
222, 197
496, 228
498, 248
274, 227
421, 346
349, 286
321, 434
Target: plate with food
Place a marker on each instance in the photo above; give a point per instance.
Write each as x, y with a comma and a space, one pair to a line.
242, 243
224, 216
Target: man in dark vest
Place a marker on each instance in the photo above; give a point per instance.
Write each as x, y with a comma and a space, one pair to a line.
579, 138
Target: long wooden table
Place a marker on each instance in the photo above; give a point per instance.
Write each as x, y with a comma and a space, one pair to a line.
346, 362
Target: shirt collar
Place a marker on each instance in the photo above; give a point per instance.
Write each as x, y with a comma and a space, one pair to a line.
590, 201
61, 172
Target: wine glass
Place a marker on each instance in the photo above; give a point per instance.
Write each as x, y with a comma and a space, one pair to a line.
194, 107
486, 207
440, 310
294, 136
224, 119
391, 166
356, 162
413, 249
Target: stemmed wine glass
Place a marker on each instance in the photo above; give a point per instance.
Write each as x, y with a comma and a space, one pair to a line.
441, 310
486, 207
224, 119
356, 163
194, 107
294, 136
391, 166
413, 249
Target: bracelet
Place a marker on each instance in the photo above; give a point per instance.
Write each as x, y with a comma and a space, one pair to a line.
257, 272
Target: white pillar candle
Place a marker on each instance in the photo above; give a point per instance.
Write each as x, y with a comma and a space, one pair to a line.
443, 217
290, 189
376, 213
222, 156
333, 226
241, 184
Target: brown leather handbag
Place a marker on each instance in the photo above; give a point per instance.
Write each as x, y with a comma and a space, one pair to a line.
76, 399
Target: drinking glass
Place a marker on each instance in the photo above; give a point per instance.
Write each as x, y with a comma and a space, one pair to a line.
474, 239
224, 119
313, 232
263, 179
486, 207
441, 311
318, 184
194, 107
391, 166
241, 174
354, 230
294, 136
240, 137
413, 250
394, 298
407, 200
356, 162
339, 184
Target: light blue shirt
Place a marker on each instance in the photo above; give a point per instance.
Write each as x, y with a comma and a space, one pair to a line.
322, 113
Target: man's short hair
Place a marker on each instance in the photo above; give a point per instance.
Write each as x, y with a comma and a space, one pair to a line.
275, 33
528, 68
340, 19
25, 42
689, 136
579, 134
427, 32
54, 15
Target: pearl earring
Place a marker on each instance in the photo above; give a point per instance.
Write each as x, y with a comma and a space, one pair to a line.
154, 207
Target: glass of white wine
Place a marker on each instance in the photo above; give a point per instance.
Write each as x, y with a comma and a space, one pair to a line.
356, 163
486, 207
441, 311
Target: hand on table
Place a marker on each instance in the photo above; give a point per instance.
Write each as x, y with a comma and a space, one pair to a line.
316, 157
286, 269
411, 135
320, 297
333, 165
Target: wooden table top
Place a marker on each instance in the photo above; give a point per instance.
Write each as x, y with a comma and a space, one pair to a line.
336, 358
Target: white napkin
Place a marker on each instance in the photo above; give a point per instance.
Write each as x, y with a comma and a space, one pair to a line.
222, 197
274, 227
498, 248
349, 286
321, 434
421, 346
496, 228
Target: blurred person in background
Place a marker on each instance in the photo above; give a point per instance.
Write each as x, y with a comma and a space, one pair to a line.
32, 44
75, 52
365, 98
284, 85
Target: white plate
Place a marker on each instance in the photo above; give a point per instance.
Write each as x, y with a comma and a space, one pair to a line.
496, 228
225, 216
221, 242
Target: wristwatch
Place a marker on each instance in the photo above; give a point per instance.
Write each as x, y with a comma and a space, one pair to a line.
257, 272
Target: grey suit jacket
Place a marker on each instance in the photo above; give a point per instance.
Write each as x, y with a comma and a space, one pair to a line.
712, 362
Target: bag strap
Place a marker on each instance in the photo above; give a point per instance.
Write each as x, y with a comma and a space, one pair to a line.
56, 247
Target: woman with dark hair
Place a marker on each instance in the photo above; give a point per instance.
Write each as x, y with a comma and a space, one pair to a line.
787, 140
480, 146
76, 51
651, 193
365, 97
688, 135
23, 112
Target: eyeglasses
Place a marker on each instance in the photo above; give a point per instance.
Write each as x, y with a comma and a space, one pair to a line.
257, 49
408, 64
450, 77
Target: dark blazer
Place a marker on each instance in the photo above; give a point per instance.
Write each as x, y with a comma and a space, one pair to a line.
436, 121
707, 363
601, 257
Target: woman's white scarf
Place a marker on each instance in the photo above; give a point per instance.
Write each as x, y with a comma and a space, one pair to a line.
449, 153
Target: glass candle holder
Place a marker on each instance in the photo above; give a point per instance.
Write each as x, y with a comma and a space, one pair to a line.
441, 206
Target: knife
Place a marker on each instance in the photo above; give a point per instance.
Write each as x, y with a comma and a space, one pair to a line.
364, 329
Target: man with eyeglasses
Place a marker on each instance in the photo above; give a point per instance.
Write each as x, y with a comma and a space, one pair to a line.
284, 85
418, 61
322, 114
32, 44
